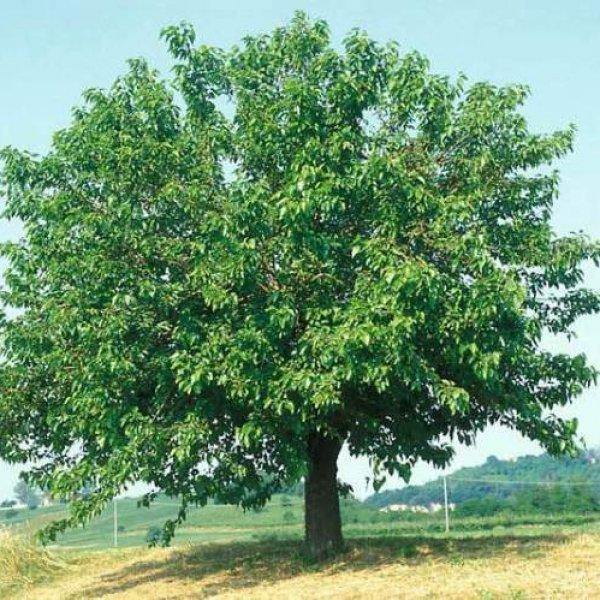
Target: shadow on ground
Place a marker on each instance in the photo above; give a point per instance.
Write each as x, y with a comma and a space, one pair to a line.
218, 568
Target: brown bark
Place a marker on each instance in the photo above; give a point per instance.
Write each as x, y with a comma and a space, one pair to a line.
323, 523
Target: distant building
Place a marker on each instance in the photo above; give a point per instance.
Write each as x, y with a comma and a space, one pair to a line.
395, 508
417, 508
46, 500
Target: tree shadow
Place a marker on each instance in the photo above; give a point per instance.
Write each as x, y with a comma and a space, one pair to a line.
218, 567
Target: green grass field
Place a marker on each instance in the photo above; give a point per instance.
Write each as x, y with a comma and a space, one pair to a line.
280, 519
225, 552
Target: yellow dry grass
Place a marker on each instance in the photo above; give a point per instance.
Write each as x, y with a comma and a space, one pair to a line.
535, 566
22, 561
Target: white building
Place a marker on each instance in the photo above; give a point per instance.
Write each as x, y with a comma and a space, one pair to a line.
417, 508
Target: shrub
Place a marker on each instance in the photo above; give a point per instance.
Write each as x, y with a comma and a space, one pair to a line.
155, 535
482, 507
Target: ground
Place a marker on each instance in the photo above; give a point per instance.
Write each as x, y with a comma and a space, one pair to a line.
527, 566
232, 555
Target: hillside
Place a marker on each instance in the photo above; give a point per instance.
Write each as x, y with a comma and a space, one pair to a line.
540, 561
214, 522
224, 552
498, 478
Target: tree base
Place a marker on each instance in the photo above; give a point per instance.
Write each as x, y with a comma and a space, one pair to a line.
323, 523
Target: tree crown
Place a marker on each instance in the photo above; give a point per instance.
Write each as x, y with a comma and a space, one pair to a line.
284, 239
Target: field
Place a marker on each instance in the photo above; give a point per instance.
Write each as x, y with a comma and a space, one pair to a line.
226, 553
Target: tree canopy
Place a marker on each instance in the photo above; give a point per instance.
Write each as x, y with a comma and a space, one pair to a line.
285, 247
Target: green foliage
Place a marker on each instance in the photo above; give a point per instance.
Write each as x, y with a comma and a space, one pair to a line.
363, 250
482, 507
551, 499
155, 536
498, 479
579, 499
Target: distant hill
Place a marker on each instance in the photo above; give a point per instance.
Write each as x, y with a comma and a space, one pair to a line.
499, 478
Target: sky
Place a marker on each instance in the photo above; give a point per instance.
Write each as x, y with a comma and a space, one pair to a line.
51, 50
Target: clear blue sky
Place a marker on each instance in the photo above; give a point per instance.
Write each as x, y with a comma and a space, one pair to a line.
50, 50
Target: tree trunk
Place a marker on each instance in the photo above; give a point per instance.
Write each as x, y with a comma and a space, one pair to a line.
322, 520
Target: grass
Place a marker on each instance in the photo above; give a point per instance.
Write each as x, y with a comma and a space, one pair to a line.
226, 553
23, 562
214, 522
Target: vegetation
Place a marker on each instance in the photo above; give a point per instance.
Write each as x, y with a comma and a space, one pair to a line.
27, 494
22, 561
534, 501
362, 254
259, 555
220, 523
154, 536
210, 523
516, 566
500, 479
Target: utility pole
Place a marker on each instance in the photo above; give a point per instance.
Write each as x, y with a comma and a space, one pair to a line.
446, 505
115, 524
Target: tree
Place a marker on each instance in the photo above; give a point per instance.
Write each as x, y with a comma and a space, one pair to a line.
213, 304
27, 494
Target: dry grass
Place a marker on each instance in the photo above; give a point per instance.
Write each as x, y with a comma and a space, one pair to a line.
493, 567
23, 562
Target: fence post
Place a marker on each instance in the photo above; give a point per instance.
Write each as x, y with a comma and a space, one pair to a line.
115, 524
446, 505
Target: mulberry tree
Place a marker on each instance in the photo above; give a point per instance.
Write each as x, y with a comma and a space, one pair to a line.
285, 247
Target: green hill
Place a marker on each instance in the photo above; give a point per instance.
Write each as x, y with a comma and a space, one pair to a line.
501, 479
283, 515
